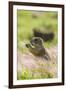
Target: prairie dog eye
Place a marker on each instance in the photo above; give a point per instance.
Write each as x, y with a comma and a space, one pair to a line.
36, 40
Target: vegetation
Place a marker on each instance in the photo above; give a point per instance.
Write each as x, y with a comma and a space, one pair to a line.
34, 74
26, 21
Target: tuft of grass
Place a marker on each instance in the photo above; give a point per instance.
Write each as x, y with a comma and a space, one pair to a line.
26, 74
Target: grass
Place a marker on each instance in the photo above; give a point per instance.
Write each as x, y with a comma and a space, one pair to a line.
27, 20
34, 74
26, 23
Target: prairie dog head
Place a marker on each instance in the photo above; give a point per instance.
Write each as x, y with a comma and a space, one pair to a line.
37, 41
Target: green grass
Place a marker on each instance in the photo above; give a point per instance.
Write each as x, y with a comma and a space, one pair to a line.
26, 23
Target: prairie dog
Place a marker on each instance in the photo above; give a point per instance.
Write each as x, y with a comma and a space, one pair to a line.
36, 47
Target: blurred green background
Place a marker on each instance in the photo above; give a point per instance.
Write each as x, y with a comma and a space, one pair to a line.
27, 20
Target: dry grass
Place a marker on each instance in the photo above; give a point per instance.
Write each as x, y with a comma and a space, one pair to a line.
32, 67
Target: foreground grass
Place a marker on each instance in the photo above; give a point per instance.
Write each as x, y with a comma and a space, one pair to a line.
34, 74
32, 67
